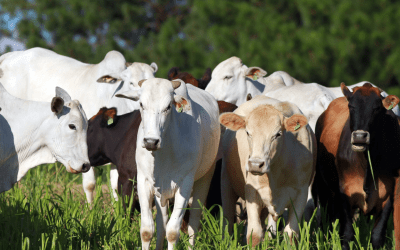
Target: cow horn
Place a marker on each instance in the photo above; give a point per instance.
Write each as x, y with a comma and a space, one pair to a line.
140, 83
176, 84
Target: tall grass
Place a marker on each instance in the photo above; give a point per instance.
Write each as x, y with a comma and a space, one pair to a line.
47, 210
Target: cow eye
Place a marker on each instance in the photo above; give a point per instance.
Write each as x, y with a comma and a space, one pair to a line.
247, 132
168, 108
278, 134
228, 77
141, 105
72, 126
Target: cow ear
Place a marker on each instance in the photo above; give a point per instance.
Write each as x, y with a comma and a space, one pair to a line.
109, 116
154, 66
248, 97
181, 104
255, 72
232, 121
63, 94
57, 105
295, 122
346, 92
108, 79
390, 102
140, 83
133, 95
127, 64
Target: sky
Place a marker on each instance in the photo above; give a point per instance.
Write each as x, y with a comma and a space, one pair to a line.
10, 24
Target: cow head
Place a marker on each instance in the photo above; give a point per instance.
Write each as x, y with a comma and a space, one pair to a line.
366, 106
231, 81
104, 119
266, 130
127, 80
65, 134
158, 104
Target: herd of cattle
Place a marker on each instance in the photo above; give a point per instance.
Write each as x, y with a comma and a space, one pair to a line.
166, 134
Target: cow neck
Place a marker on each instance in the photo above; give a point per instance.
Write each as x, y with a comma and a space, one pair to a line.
29, 143
125, 129
254, 88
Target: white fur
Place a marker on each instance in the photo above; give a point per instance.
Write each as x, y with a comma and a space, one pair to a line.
31, 135
183, 165
33, 74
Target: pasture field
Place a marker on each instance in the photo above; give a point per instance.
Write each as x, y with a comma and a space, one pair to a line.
47, 210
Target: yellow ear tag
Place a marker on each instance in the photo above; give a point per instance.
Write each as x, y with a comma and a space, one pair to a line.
110, 121
255, 77
297, 127
391, 106
180, 109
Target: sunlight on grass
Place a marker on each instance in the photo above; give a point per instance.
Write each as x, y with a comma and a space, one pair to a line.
48, 210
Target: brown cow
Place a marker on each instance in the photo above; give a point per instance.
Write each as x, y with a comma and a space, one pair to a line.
201, 83
344, 182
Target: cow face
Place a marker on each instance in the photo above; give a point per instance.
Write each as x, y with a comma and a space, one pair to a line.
365, 107
158, 104
266, 130
65, 133
228, 81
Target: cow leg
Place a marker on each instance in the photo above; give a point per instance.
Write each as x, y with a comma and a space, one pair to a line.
379, 231
271, 226
309, 210
200, 191
346, 231
161, 219
254, 228
114, 181
229, 198
396, 213
182, 196
146, 197
89, 183
296, 211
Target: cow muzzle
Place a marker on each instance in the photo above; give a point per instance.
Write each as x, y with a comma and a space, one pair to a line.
151, 144
359, 140
257, 167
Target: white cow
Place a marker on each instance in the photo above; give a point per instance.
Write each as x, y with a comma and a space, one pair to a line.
177, 144
232, 81
34, 133
33, 73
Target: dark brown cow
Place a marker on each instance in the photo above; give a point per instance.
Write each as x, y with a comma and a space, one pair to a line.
115, 141
201, 83
346, 131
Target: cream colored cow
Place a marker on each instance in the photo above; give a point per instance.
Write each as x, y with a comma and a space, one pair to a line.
269, 162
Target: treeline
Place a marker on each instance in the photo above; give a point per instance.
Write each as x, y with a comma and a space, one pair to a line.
315, 41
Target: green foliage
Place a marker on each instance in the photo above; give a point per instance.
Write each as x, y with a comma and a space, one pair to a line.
47, 210
86, 30
315, 41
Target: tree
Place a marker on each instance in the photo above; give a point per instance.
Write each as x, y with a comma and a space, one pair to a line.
315, 41
86, 30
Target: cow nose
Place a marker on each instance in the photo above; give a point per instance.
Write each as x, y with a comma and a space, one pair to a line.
85, 167
360, 137
256, 167
151, 143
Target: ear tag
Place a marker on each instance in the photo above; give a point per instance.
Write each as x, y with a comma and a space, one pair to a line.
391, 106
180, 109
255, 77
297, 127
110, 121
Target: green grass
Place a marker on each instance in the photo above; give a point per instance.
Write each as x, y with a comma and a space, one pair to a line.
47, 210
